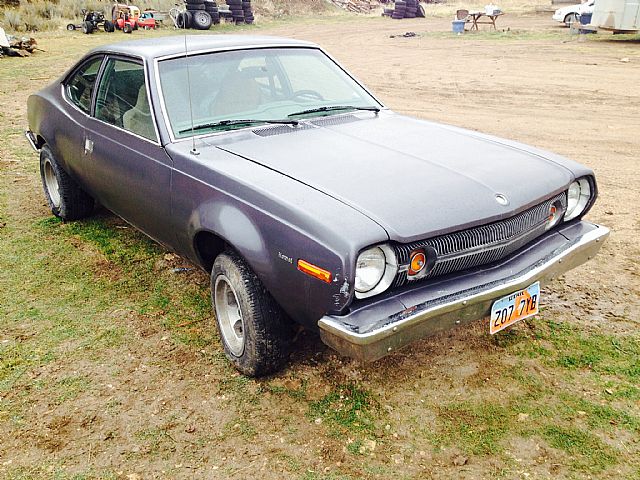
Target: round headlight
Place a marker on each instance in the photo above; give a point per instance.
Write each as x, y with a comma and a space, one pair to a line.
370, 269
578, 196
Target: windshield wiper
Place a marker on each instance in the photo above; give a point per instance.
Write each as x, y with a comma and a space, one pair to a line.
225, 123
332, 108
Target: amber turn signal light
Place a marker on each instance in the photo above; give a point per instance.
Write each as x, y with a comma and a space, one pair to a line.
417, 262
314, 271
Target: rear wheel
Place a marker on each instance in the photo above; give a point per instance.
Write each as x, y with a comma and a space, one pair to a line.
65, 197
255, 333
87, 27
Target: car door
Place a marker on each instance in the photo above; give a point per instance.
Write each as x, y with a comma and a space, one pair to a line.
78, 90
127, 168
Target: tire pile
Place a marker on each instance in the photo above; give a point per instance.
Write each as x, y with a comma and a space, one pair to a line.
241, 11
405, 9
200, 14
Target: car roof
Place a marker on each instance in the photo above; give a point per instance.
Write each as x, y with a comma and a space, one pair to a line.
151, 48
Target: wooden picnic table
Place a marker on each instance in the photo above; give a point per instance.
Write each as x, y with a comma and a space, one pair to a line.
474, 18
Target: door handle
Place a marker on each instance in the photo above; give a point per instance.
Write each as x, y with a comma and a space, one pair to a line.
88, 146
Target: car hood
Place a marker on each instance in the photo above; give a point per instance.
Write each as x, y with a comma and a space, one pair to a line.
414, 178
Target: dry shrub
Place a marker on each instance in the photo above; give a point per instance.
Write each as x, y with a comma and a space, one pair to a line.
12, 19
281, 8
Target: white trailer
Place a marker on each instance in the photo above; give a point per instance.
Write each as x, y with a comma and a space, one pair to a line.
621, 16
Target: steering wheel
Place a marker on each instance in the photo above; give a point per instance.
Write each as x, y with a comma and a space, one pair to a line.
307, 93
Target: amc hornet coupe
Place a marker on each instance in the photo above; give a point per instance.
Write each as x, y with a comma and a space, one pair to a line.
266, 163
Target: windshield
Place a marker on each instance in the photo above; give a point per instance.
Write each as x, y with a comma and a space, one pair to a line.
271, 84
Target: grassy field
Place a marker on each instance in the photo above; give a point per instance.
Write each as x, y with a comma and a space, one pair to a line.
110, 365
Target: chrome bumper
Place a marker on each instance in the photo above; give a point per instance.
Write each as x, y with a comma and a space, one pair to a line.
32, 140
372, 331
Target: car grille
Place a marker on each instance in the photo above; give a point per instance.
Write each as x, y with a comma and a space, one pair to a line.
479, 245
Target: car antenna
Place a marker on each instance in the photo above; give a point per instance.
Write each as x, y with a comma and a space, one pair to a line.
193, 139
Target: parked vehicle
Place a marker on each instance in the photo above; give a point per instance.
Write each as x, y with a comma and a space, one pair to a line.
267, 164
147, 21
91, 21
571, 13
125, 17
617, 16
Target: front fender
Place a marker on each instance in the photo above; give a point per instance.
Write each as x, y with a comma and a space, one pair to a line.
272, 221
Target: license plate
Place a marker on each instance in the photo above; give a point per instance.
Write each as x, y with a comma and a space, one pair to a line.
514, 307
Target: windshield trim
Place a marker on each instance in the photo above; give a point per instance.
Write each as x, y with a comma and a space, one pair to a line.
194, 53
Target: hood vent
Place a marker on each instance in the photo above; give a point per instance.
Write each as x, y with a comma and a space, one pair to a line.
334, 120
280, 129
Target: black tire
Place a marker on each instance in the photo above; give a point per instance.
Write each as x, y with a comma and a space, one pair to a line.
87, 28
71, 27
194, 2
195, 8
254, 315
65, 198
211, 9
201, 20
127, 28
234, 2
180, 20
108, 26
188, 19
215, 18
420, 12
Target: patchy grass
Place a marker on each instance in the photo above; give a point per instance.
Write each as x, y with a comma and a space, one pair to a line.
96, 323
348, 409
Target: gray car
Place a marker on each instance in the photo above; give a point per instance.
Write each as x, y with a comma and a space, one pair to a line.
267, 164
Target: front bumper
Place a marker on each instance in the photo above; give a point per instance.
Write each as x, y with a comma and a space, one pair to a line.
373, 330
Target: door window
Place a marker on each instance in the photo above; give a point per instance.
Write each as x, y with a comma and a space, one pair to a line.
79, 87
122, 98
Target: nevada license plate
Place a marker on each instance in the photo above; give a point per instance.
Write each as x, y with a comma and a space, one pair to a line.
514, 307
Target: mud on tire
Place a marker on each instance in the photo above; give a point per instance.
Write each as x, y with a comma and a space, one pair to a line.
254, 331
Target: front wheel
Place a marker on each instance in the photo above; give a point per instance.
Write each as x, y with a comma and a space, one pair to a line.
66, 199
255, 333
571, 19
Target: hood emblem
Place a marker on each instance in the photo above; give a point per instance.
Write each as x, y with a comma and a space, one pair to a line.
501, 199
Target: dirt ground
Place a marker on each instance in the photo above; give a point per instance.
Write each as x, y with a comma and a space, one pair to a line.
161, 408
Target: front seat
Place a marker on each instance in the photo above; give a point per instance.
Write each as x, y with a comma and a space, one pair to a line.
138, 120
238, 93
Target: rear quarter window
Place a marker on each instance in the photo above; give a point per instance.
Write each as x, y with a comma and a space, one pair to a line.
79, 86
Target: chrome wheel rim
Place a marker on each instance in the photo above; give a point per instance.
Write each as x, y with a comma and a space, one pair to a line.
229, 315
51, 183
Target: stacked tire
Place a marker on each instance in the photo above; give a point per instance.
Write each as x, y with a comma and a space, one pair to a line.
405, 9
400, 10
211, 7
412, 7
196, 16
237, 10
248, 12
